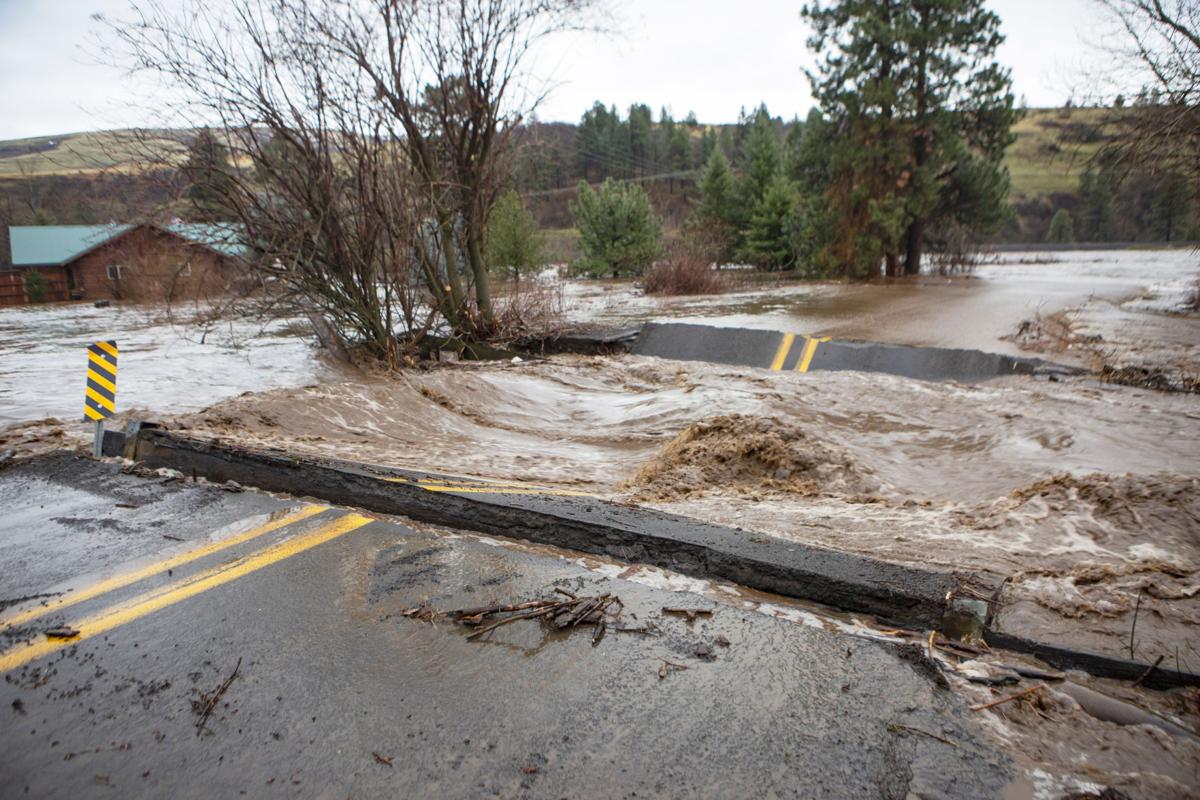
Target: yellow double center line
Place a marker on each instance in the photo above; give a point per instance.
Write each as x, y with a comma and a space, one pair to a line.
485, 487
806, 356
172, 593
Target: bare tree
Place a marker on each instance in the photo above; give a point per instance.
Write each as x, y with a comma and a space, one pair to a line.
367, 141
1158, 51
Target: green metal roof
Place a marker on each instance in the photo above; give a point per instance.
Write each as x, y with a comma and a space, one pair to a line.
44, 245
56, 244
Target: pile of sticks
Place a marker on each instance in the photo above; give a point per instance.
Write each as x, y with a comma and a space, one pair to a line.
562, 613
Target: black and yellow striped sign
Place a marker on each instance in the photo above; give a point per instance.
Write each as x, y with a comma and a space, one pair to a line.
101, 393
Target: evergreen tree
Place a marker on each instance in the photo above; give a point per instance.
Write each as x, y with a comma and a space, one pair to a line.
513, 244
762, 158
680, 148
602, 142
1098, 189
666, 133
916, 94
619, 233
718, 191
1170, 211
641, 132
708, 143
808, 154
207, 170
1062, 228
37, 288
769, 237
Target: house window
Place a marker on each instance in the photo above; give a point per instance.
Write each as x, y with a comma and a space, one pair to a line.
116, 272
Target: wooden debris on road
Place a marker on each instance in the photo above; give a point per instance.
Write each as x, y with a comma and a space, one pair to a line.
205, 705
1002, 700
423, 612
668, 667
565, 611
61, 632
690, 613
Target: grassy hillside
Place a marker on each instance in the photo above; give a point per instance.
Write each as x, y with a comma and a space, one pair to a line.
1052, 149
85, 153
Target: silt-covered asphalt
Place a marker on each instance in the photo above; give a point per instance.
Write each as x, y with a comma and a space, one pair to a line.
171, 584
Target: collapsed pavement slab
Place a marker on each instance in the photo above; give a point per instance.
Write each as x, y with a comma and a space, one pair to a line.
899, 594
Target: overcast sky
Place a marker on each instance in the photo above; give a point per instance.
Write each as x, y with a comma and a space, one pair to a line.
708, 56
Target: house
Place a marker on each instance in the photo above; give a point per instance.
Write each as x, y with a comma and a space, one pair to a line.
142, 262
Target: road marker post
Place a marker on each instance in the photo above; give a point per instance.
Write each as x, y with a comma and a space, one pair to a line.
100, 393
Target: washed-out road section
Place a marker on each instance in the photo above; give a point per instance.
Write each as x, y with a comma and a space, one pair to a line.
171, 584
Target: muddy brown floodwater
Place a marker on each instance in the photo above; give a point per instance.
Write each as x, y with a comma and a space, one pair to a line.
1084, 494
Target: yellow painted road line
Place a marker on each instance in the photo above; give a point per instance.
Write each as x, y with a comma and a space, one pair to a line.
782, 353
150, 602
810, 350
108, 348
487, 490
133, 576
485, 487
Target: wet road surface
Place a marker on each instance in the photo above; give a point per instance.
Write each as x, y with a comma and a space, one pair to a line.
337, 694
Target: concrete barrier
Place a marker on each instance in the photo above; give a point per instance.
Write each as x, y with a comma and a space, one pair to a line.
797, 353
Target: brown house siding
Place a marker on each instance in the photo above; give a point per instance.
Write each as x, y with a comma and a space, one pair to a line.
149, 264
12, 285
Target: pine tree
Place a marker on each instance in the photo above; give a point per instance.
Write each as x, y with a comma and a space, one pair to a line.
762, 158
1170, 211
641, 131
718, 191
207, 170
708, 143
513, 242
1099, 189
680, 148
915, 93
1062, 228
769, 237
619, 233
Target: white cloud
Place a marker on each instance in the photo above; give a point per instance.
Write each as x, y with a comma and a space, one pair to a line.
709, 56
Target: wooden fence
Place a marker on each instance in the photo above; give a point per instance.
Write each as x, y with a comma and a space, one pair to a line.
12, 286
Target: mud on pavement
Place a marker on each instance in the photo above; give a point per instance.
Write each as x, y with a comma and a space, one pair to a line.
1081, 494
763, 691
332, 689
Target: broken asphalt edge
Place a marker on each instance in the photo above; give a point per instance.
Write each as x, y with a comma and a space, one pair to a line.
896, 593
846, 581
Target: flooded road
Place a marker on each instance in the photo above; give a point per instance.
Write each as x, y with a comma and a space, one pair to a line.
163, 366
1083, 495
169, 367
972, 311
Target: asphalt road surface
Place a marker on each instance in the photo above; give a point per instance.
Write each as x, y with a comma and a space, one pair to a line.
171, 585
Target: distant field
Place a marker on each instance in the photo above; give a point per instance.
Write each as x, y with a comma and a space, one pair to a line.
85, 153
